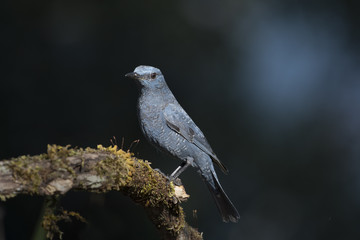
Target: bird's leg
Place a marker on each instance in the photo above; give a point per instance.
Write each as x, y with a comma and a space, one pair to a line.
184, 165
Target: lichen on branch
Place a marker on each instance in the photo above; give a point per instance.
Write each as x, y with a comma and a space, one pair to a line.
99, 170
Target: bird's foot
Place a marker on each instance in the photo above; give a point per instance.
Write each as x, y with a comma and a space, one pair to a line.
176, 181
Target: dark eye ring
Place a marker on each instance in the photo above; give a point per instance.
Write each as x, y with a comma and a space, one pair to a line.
153, 75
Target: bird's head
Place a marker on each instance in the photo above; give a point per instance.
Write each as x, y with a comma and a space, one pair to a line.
148, 77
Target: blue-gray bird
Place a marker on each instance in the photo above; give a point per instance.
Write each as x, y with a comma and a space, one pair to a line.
167, 126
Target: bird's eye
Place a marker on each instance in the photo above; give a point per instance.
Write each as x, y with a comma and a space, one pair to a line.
153, 75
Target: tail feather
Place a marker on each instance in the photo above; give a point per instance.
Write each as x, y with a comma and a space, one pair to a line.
226, 208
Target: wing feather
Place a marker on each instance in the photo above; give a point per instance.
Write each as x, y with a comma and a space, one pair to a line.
180, 122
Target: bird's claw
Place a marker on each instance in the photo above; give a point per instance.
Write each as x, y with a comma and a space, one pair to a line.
176, 181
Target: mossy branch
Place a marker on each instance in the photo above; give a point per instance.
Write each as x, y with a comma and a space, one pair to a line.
99, 170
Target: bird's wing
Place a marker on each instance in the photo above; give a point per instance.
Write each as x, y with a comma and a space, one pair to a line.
179, 121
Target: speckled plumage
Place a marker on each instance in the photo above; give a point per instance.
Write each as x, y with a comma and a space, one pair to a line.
167, 126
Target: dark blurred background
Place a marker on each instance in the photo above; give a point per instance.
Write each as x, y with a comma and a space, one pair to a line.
274, 85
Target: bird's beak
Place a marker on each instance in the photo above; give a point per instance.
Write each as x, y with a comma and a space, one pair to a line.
132, 75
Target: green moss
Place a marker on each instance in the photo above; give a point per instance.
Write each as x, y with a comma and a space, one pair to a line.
116, 169
30, 172
7, 196
135, 178
146, 184
53, 214
26, 170
120, 171
58, 157
56, 151
50, 222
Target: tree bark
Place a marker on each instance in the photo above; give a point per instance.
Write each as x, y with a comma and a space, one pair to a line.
99, 170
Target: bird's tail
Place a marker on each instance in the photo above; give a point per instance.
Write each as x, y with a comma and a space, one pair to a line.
226, 208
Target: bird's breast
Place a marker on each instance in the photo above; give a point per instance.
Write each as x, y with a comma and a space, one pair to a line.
155, 129
150, 117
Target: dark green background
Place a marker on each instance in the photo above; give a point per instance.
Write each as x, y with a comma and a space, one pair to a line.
274, 85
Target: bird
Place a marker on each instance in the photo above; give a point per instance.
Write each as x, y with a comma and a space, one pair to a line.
167, 126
